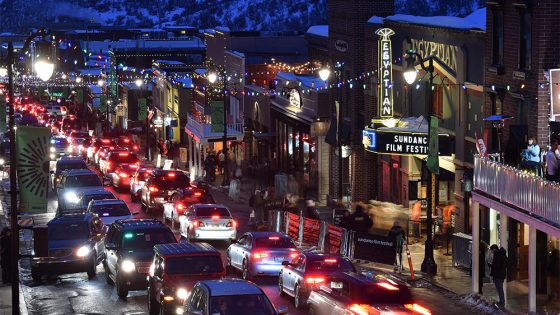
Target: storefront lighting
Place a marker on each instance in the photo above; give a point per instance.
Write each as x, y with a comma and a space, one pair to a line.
324, 74
212, 77
3, 72
390, 122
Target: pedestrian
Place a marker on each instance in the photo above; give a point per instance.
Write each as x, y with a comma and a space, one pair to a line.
359, 220
553, 271
482, 265
6, 254
498, 271
311, 210
398, 236
221, 161
258, 206
551, 161
531, 156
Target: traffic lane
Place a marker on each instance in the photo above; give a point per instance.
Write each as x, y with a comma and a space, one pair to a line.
437, 302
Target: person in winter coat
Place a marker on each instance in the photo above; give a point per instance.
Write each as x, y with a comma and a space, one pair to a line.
398, 236
498, 271
310, 210
258, 205
360, 221
482, 265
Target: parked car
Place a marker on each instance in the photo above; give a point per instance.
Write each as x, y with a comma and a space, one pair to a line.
208, 222
75, 244
129, 252
175, 270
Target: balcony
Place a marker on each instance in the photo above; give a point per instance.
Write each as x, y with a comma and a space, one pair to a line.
512, 186
203, 133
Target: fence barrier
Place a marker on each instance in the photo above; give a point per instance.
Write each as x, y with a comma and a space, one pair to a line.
311, 231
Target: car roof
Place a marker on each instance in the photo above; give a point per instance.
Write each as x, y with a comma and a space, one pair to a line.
73, 172
141, 223
185, 248
160, 172
209, 205
70, 159
231, 287
95, 191
107, 202
70, 218
267, 234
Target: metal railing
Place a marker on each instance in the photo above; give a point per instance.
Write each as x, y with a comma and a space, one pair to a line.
206, 129
518, 188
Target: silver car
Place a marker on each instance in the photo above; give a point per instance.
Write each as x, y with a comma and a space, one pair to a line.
208, 222
110, 210
260, 253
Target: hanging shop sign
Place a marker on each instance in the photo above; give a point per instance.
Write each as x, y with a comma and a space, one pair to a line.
295, 98
341, 45
403, 143
385, 73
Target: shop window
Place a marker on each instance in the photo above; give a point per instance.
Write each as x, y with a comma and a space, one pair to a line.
497, 36
524, 40
437, 100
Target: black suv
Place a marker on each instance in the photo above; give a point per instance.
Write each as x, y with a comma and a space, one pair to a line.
129, 252
66, 163
177, 268
75, 244
161, 185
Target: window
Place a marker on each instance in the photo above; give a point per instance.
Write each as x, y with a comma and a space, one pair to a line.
524, 40
437, 100
523, 112
496, 104
497, 36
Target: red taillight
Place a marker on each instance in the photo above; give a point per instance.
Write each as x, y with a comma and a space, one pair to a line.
231, 223
123, 154
418, 309
180, 206
123, 175
260, 255
358, 309
294, 255
215, 217
198, 224
198, 194
388, 286
105, 141
171, 174
331, 260
135, 147
126, 141
314, 280
153, 189
274, 238
111, 148
108, 165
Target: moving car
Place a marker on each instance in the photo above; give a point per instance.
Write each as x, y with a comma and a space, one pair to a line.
66, 163
96, 145
121, 176
59, 147
175, 270
208, 222
75, 244
72, 183
160, 185
110, 210
352, 293
181, 201
126, 142
260, 253
308, 271
138, 181
129, 252
118, 157
83, 197
231, 296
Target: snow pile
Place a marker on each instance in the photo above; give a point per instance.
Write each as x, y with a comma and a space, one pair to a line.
481, 304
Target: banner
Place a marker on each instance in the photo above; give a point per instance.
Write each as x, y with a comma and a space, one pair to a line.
480, 146
33, 164
433, 146
376, 248
142, 109
217, 108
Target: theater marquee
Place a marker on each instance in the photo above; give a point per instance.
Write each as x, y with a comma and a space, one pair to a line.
403, 143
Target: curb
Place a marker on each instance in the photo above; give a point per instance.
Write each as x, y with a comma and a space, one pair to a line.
22, 304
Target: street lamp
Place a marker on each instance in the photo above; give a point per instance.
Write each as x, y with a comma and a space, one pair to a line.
138, 82
44, 69
429, 265
78, 80
213, 78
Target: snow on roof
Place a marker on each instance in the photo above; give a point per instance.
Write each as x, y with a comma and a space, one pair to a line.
474, 21
88, 31
319, 30
170, 62
93, 72
376, 20
410, 124
186, 82
223, 29
305, 80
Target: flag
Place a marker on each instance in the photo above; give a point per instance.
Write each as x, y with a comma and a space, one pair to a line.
480, 146
217, 115
33, 165
433, 146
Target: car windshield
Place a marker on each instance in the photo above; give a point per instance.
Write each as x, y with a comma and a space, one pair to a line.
78, 165
59, 232
111, 210
83, 181
193, 265
330, 264
167, 182
87, 198
60, 142
212, 211
254, 304
274, 242
124, 157
146, 239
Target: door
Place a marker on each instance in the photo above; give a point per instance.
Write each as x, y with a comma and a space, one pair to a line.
523, 257
157, 279
234, 251
113, 238
295, 273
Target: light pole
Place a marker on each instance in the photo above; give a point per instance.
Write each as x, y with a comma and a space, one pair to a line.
429, 265
213, 78
43, 70
101, 84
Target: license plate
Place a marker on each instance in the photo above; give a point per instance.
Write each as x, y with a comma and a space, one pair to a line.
279, 259
143, 269
336, 285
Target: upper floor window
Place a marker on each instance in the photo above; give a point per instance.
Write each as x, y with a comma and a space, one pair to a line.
497, 36
524, 40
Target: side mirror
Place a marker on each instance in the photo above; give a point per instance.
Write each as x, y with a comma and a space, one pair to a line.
283, 310
135, 213
285, 263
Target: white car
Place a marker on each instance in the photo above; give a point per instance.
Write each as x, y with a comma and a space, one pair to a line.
110, 210
208, 222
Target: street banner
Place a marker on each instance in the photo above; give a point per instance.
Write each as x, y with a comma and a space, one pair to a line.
433, 146
217, 108
33, 163
480, 146
142, 109
377, 248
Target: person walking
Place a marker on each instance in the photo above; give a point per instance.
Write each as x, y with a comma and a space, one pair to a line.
6, 254
360, 221
398, 236
258, 206
498, 271
221, 162
551, 161
310, 210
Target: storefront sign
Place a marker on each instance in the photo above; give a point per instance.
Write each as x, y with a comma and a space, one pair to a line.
376, 248
403, 143
295, 98
385, 73
445, 53
341, 45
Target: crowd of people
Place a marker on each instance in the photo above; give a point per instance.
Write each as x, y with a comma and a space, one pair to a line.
544, 164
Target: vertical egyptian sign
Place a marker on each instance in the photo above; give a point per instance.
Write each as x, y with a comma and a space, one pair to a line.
32, 153
385, 73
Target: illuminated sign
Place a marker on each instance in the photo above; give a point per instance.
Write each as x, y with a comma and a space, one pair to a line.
385, 73
341, 45
295, 98
445, 53
403, 143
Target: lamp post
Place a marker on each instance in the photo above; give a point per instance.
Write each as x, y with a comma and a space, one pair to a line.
324, 74
429, 265
101, 84
43, 70
213, 78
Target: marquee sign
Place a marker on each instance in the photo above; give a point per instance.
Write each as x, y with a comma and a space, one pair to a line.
403, 143
385, 73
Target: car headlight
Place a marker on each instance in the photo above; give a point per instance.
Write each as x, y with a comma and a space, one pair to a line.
128, 266
2, 161
52, 149
80, 147
52, 156
83, 251
182, 293
69, 149
71, 197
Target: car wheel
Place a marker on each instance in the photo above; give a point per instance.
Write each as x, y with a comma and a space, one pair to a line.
281, 286
299, 301
153, 305
246, 272
121, 291
92, 270
107, 275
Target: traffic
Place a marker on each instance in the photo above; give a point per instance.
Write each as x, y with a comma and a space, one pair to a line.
172, 251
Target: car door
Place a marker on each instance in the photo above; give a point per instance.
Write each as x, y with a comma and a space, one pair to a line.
296, 273
157, 280
237, 251
97, 237
113, 238
193, 301
185, 221
288, 271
